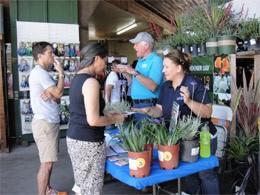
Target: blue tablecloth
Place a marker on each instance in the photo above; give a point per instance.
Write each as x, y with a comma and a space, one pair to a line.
158, 175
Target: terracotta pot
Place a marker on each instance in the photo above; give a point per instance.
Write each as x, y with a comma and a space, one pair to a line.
149, 148
139, 164
168, 156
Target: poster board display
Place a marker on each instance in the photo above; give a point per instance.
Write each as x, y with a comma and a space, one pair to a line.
65, 41
222, 80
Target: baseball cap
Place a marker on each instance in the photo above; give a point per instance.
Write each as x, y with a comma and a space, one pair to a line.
142, 36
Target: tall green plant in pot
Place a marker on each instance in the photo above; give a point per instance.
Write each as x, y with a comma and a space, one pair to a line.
243, 149
168, 146
134, 140
190, 143
212, 19
148, 127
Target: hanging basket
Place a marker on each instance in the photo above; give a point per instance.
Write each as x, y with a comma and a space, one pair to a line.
168, 156
139, 164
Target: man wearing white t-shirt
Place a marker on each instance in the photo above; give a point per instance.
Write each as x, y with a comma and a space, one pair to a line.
112, 86
45, 95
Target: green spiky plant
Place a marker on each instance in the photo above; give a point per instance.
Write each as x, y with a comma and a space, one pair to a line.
132, 138
240, 147
165, 137
214, 18
189, 125
249, 28
118, 107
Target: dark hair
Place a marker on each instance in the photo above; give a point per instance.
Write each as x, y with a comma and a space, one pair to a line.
116, 61
180, 58
39, 48
90, 51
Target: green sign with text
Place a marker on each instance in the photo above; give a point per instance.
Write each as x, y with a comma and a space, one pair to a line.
202, 65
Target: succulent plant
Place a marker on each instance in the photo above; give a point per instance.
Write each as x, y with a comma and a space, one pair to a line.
189, 125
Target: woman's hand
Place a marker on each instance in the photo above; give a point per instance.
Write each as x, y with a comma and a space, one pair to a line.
117, 117
184, 92
141, 110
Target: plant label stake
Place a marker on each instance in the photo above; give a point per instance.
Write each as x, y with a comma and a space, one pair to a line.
174, 115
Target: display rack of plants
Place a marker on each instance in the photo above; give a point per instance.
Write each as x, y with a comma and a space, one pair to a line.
134, 140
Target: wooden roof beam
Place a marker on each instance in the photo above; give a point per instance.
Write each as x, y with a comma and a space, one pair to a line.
140, 11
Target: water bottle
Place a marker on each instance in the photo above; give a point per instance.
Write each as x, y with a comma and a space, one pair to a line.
205, 142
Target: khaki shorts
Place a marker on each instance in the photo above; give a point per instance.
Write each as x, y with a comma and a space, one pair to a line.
46, 136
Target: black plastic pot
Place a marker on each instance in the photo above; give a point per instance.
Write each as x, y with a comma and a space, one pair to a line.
195, 50
179, 47
190, 150
186, 49
257, 44
203, 50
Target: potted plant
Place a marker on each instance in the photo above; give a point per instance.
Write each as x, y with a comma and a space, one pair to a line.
243, 149
214, 20
190, 142
134, 140
168, 146
254, 26
148, 127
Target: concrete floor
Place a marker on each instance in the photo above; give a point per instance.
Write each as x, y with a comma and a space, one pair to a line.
18, 173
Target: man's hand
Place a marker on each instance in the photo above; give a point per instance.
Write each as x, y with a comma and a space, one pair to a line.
46, 96
124, 69
58, 66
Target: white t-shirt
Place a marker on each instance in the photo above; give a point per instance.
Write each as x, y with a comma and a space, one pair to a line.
112, 79
39, 80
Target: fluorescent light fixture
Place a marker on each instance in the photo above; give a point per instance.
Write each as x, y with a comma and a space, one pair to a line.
126, 29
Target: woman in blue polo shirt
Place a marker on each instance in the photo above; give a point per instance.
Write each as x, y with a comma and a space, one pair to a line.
192, 97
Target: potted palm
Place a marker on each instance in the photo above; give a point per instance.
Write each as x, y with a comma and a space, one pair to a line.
134, 140
190, 142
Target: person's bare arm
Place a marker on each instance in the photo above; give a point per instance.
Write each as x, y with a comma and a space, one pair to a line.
108, 91
149, 83
154, 111
47, 96
90, 91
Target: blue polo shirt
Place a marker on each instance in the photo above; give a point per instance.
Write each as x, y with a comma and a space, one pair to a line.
168, 94
150, 67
